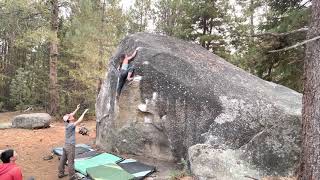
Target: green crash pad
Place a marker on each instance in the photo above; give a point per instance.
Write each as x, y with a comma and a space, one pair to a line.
101, 159
109, 172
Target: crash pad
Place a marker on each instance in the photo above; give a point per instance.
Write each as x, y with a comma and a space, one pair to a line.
86, 155
80, 148
137, 169
108, 172
101, 159
82, 177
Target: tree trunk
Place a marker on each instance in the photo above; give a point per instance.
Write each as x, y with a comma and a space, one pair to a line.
204, 31
251, 22
53, 50
310, 156
101, 50
141, 20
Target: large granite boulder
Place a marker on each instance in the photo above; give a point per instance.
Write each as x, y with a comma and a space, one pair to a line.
31, 121
186, 102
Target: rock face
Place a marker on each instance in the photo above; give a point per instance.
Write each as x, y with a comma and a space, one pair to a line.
186, 102
31, 121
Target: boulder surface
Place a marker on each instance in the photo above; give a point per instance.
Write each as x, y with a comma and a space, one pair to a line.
186, 102
31, 121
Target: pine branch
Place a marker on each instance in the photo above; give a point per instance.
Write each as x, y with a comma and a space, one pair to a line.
31, 16
296, 45
303, 5
250, 177
305, 29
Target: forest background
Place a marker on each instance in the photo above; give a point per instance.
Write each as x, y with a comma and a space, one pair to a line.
54, 53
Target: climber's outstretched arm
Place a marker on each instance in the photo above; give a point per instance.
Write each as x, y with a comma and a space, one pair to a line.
130, 58
75, 111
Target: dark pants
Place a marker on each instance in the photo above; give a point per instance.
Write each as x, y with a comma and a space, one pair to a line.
122, 80
68, 154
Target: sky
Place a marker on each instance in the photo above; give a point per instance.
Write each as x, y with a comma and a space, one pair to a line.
127, 3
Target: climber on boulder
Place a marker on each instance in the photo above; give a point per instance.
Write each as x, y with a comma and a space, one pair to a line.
126, 70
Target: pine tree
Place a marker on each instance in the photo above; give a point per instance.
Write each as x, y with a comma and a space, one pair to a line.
309, 165
278, 19
139, 15
86, 46
167, 13
23, 33
53, 55
85, 43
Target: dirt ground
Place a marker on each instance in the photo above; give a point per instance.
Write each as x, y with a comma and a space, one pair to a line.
33, 145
